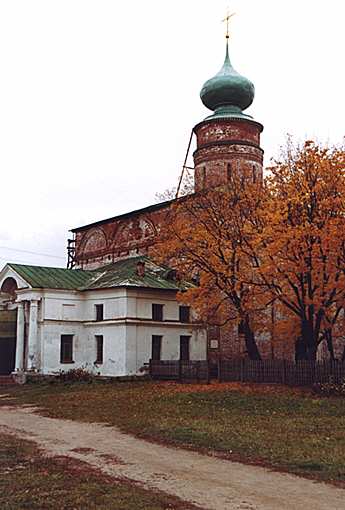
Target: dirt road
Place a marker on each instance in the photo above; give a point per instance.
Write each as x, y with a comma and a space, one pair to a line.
211, 483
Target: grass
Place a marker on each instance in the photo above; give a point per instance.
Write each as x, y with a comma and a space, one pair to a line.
30, 481
288, 430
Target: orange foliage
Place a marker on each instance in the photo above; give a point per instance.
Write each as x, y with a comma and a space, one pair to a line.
281, 243
302, 242
205, 239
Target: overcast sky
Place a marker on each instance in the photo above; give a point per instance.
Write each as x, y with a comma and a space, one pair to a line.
98, 98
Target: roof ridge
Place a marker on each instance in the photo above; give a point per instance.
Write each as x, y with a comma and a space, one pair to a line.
36, 266
148, 208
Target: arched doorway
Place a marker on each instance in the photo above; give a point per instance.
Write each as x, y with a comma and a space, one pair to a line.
8, 329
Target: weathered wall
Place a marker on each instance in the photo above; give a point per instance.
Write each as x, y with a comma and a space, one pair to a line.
226, 147
118, 238
127, 329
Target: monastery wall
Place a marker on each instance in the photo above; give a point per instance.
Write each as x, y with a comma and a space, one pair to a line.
118, 238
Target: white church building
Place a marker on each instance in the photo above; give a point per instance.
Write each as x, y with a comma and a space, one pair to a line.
110, 321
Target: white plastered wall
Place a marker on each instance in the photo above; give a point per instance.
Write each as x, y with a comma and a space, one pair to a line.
139, 335
127, 329
139, 344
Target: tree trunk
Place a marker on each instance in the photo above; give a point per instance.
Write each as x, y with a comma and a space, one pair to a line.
329, 340
301, 352
249, 338
309, 344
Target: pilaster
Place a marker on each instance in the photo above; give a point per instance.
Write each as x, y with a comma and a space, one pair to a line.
19, 366
33, 336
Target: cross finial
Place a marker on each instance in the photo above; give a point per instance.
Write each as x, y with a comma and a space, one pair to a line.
227, 20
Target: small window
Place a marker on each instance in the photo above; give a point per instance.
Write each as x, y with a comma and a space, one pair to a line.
184, 348
184, 313
66, 350
156, 347
99, 349
157, 312
228, 172
203, 177
99, 312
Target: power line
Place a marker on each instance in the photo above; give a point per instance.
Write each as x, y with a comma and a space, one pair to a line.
14, 260
9, 261
32, 252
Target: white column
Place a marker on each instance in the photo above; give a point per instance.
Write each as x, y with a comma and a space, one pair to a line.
33, 333
20, 338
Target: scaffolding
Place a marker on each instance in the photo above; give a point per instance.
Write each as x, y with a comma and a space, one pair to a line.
185, 167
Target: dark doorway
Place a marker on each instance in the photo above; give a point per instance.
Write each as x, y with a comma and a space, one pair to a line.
8, 325
7, 355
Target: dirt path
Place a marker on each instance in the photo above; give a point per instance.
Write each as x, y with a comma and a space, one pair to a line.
212, 483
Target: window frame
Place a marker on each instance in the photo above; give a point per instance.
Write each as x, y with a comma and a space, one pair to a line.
184, 309
64, 359
186, 340
99, 312
157, 316
156, 338
99, 349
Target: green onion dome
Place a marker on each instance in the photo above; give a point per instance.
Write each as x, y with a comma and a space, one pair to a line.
228, 93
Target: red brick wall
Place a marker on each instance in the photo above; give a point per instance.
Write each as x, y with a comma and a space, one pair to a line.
116, 239
226, 146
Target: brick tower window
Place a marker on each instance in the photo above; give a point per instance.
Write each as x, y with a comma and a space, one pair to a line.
228, 172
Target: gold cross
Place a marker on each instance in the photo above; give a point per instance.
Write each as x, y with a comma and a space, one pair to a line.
227, 19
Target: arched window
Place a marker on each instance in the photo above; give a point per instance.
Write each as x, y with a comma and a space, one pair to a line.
9, 286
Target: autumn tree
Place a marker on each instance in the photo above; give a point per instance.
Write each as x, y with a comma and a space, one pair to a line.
300, 245
204, 236
258, 247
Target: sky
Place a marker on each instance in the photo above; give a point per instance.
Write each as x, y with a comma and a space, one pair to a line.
98, 99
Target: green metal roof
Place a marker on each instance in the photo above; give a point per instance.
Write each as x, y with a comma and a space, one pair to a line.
40, 277
119, 274
124, 274
228, 93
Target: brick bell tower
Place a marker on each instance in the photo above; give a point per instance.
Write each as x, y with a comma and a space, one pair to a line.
228, 141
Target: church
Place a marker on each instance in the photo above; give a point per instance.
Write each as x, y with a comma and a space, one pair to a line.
113, 309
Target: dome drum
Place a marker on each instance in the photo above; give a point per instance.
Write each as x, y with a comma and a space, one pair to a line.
228, 130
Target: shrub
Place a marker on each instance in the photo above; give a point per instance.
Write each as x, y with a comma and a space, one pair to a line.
76, 375
330, 388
